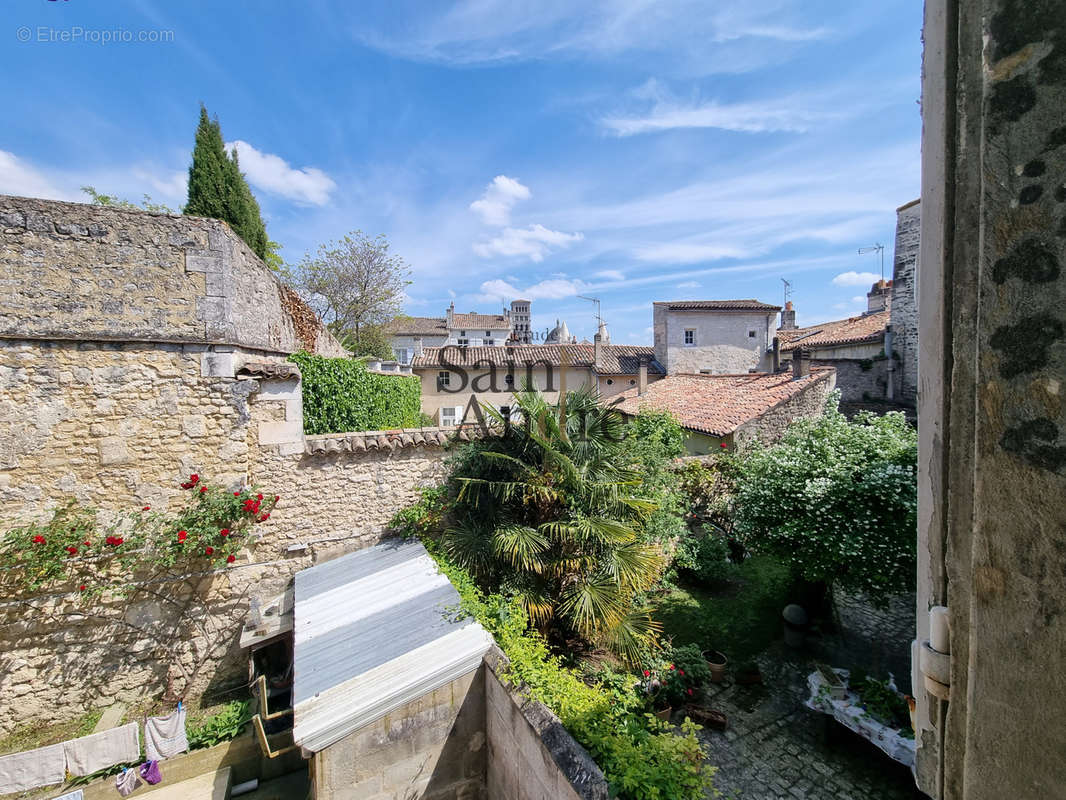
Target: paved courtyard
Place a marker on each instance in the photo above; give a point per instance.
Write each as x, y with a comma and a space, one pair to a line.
776, 748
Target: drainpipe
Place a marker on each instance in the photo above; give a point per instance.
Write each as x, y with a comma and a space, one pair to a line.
777, 356
642, 376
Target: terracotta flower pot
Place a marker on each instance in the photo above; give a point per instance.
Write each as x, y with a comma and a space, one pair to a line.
664, 713
716, 663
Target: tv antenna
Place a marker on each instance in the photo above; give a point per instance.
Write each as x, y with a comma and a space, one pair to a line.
877, 247
595, 300
788, 289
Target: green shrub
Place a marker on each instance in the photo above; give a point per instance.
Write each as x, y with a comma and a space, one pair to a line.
642, 758
341, 395
703, 556
837, 500
223, 726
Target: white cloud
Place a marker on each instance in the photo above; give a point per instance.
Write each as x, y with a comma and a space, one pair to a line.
859, 299
19, 178
273, 174
688, 285
690, 253
499, 198
853, 278
536, 241
779, 115
551, 289
610, 275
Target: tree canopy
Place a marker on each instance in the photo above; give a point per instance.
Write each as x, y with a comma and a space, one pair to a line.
354, 283
218, 189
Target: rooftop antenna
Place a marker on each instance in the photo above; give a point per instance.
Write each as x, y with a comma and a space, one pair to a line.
878, 248
595, 300
788, 289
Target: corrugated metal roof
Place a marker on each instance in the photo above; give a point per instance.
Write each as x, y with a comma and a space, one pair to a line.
374, 630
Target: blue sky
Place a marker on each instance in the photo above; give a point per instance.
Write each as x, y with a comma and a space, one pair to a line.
628, 150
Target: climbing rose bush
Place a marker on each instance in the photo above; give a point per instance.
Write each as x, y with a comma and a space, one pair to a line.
837, 500
73, 549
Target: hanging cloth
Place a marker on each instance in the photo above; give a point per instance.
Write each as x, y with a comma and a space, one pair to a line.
104, 749
126, 782
32, 768
164, 737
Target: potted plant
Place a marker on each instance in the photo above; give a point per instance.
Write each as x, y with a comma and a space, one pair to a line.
716, 663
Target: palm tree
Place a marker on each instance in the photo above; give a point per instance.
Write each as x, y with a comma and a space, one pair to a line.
551, 512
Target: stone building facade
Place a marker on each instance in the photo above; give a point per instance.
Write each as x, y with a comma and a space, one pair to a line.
714, 336
904, 313
135, 349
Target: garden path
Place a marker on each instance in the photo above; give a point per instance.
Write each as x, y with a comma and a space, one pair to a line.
776, 749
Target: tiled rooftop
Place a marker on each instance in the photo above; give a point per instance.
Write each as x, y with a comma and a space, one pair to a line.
486, 322
717, 305
854, 330
415, 326
719, 404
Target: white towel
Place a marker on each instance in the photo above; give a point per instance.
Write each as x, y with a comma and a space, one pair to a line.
41, 767
164, 737
104, 749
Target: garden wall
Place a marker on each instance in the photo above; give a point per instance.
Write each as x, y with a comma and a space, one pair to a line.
770, 426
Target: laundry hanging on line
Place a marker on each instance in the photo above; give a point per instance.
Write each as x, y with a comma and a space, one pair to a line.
30, 769
164, 737
97, 751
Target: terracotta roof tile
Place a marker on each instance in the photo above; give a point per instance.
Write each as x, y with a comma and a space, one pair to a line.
854, 330
486, 322
717, 305
414, 326
719, 404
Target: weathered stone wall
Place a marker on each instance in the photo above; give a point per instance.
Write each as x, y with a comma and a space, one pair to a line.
861, 380
433, 747
992, 421
76, 271
904, 314
771, 426
531, 756
723, 344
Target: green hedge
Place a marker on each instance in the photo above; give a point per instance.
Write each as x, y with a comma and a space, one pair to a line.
340, 395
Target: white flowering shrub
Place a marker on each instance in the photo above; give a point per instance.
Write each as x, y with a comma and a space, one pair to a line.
837, 500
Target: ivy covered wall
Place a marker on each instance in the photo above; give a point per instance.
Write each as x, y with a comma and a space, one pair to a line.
341, 395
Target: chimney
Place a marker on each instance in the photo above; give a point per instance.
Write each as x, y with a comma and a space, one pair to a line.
597, 349
877, 298
642, 376
451, 311
801, 363
777, 356
788, 318
418, 346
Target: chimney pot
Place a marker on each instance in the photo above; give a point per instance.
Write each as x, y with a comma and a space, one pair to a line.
801, 363
642, 376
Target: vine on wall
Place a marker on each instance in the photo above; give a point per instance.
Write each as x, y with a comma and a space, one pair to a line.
340, 395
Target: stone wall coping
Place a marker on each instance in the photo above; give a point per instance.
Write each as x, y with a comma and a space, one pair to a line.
268, 370
361, 441
573, 760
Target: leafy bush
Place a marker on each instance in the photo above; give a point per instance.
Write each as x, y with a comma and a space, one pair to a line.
674, 677
341, 395
227, 724
703, 556
642, 758
837, 500
708, 490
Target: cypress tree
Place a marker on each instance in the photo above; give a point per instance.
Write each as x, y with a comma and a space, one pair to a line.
218, 189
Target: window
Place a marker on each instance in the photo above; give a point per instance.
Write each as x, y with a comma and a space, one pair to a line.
463, 342
488, 333
462, 333
610, 381
489, 342
509, 380
751, 334
690, 337
448, 416
632, 382
444, 378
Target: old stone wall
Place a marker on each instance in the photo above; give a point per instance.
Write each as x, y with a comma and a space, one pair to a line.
771, 426
77, 271
531, 756
864, 379
433, 747
904, 314
726, 342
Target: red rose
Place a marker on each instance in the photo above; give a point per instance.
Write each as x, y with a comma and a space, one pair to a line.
182, 536
146, 508
224, 533
86, 543
194, 479
646, 673
724, 445
72, 550
681, 672
81, 588
259, 497
110, 540
690, 691
277, 497
186, 485
230, 559
119, 540
236, 494
38, 539
209, 550
203, 489
671, 666
265, 517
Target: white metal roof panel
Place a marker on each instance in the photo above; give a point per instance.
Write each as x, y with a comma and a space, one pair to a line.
374, 630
